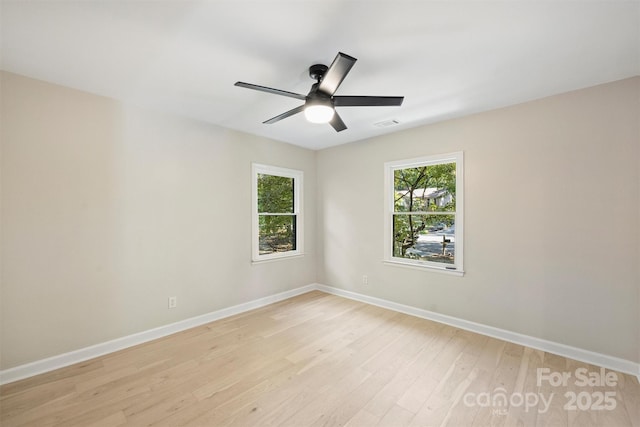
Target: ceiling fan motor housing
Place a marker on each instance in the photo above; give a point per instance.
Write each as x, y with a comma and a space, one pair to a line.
316, 71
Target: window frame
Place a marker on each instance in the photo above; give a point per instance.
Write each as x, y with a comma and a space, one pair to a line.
389, 211
298, 179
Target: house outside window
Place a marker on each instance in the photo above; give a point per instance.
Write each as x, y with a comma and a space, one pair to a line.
277, 216
424, 212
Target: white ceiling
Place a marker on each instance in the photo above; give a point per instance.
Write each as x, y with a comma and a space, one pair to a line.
448, 58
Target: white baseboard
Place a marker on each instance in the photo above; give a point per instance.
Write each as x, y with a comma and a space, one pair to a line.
603, 360
76, 356
81, 355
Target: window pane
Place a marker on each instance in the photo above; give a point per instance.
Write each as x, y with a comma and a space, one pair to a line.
425, 188
277, 233
424, 237
275, 194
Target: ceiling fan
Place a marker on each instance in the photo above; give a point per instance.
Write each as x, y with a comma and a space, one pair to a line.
319, 104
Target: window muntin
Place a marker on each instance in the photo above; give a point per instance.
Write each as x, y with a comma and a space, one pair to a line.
277, 219
424, 212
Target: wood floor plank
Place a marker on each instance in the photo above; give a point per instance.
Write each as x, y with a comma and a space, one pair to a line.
320, 410
314, 360
363, 418
406, 378
397, 416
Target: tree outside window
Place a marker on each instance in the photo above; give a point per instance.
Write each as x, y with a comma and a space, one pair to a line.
277, 220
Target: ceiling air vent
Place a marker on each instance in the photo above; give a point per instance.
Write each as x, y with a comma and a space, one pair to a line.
387, 123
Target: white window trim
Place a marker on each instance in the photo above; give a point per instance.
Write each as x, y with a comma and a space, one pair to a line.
298, 177
389, 195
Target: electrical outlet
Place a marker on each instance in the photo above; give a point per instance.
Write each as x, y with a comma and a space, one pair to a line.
173, 302
365, 280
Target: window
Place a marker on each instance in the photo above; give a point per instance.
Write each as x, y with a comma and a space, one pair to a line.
423, 218
277, 218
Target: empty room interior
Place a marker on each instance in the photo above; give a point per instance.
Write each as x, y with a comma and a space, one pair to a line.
454, 238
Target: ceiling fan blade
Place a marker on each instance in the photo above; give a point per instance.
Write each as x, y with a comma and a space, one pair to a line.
337, 123
367, 101
271, 90
284, 115
336, 73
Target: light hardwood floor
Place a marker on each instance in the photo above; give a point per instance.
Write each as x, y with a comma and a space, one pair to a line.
318, 360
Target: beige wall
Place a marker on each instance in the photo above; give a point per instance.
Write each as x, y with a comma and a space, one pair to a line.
552, 214
107, 210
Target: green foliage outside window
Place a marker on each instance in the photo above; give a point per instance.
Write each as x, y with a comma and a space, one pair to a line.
277, 221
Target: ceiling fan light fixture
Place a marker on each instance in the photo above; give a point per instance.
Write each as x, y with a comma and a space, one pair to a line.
319, 113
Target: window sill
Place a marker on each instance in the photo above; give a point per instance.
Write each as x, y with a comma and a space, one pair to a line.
414, 266
274, 259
